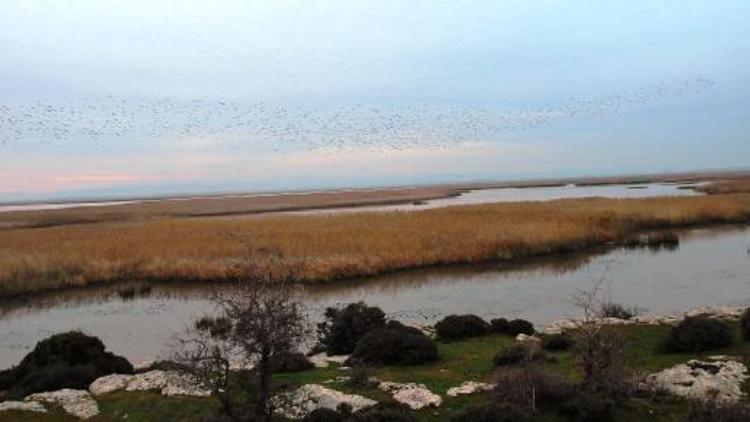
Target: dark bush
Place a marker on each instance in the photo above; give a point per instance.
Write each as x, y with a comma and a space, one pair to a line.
520, 326
67, 360
395, 325
455, 327
395, 347
500, 325
697, 334
517, 352
384, 412
555, 342
291, 362
617, 310
529, 386
587, 407
361, 377
343, 328
503, 412
708, 411
745, 324
324, 414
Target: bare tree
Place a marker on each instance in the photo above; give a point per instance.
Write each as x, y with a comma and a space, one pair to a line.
598, 345
258, 322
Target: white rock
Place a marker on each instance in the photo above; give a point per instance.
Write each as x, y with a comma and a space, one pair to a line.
146, 381
143, 365
469, 387
416, 396
301, 402
322, 360
29, 406
109, 384
720, 380
78, 403
180, 384
523, 338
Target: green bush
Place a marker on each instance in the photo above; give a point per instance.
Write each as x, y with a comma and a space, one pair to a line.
384, 412
520, 326
456, 327
395, 347
517, 352
745, 324
697, 334
555, 342
503, 412
343, 328
617, 310
587, 407
291, 362
500, 325
66, 360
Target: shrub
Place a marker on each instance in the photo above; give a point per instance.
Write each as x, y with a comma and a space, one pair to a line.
598, 354
745, 324
711, 411
617, 310
291, 362
517, 352
529, 386
500, 325
66, 360
455, 327
395, 325
361, 377
343, 328
587, 407
503, 412
520, 326
395, 347
384, 412
324, 414
697, 334
556, 342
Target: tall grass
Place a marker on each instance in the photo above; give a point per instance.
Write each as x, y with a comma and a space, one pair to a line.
318, 248
726, 186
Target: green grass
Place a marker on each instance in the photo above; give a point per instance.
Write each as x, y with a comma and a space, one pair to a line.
460, 361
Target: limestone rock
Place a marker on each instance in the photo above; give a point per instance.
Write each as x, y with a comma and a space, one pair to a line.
322, 360
524, 338
146, 381
469, 387
78, 403
26, 406
416, 396
719, 380
109, 384
301, 402
180, 384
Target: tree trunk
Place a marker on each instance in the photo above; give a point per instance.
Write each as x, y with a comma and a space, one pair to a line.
262, 410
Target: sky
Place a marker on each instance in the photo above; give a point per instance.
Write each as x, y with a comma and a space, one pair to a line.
113, 98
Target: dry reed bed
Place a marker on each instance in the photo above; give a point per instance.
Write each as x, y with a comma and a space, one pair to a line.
726, 186
326, 247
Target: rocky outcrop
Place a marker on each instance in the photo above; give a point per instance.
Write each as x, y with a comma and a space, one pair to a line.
717, 380
322, 360
169, 383
469, 387
301, 402
525, 338
109, 384
78, 403
25, 406
416, 396
719, 312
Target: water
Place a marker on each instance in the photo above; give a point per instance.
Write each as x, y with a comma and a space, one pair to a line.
488, 196
711, 266
472, 197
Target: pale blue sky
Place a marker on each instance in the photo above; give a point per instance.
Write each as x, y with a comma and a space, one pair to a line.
652, 85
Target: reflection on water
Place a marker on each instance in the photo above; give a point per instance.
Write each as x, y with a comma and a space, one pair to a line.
488, 196
711, 266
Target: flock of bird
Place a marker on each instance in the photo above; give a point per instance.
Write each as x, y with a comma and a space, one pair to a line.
333, 128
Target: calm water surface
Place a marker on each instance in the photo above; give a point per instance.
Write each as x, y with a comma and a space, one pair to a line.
711, 266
